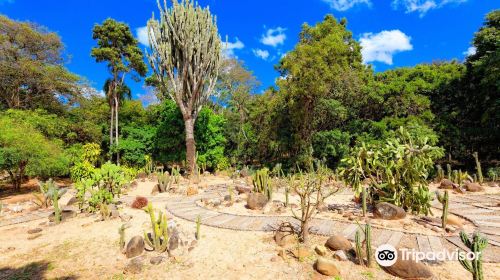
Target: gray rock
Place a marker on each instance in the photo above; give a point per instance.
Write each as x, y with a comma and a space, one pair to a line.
173, 241
65, 214
338, 242
134, 247
409, 269
388, 211
227, 198
340, 255
134, 266
256, 201
156, 260
34, 230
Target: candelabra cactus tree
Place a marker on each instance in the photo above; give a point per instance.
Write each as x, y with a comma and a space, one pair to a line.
477, 244
185, 58
443, 199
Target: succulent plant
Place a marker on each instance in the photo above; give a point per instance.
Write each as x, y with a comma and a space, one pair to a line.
158, 238
477, 244
444, 200
262, 184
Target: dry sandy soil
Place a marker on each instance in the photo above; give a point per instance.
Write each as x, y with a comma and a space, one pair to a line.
82, 248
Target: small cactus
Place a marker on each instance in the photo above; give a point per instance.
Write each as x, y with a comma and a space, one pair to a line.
440, 173
121, 232
477, 244
159, 237
54, 193
363, 200
287, 193
478, 167
448, 168
368, 243
198, 225
165, 182
359, 247
444, 200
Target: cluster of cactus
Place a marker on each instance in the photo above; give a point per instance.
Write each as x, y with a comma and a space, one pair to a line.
176, 173
198, 225
262, 184
368, 245
121, 232
477, 244
165, 181
53, 193
444, 200
458, 177
478, 167
158, 239
440, 173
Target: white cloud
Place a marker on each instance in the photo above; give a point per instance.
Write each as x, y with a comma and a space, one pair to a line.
382, 46
274, 37
261, 53
142, 35
344, 5
422, 6
470, 51
229, 47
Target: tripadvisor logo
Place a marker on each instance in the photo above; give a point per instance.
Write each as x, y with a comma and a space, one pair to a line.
386, 255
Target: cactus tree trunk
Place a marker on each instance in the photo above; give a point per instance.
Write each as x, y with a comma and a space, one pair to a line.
190, 144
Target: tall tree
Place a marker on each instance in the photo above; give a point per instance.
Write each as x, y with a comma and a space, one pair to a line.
186, 53
31, 67
323, 73
117, 46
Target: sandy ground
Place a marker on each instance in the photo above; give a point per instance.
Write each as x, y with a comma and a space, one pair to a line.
82, 248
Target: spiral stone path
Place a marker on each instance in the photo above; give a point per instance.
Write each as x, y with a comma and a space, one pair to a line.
479, 209
482, 210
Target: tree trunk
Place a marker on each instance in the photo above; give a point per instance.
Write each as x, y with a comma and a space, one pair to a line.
190, 144
116, 132
111, 105
305, 230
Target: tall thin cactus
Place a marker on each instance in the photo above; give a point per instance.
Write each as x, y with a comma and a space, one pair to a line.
477, 244
440, 173
359, 247
363, 200
198, 226
287, 194
478, 167
448, 168
158, 239
444, 200
368, 242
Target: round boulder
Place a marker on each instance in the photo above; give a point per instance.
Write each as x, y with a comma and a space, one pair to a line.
473, 187
387, 211
338, 242
256, 201
327, 267
135, 247
409, 269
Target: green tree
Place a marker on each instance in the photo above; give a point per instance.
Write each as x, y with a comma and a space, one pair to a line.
186, 53
117, 46
31, 67
323, 72
25, 151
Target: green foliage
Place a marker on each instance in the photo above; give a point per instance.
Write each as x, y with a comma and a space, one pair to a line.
444, 200
81, 170
158, 239
99, 197
398, 170
493, 173
32, 67
25, 151
477, 244
331, 145
110, 177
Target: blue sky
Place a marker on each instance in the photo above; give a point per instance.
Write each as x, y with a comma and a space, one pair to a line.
394, 33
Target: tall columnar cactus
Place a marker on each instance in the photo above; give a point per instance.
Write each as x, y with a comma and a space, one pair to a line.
363, 200
262, 184
176, 173
478, 167
440, 173
443, 199
287, 193
477, 244
198, 226
456, 177
159, 237
359, 247
368, 242
448, 168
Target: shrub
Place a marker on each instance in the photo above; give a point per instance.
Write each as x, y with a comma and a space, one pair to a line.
25, 151
98, 198
397, 170
81, 170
